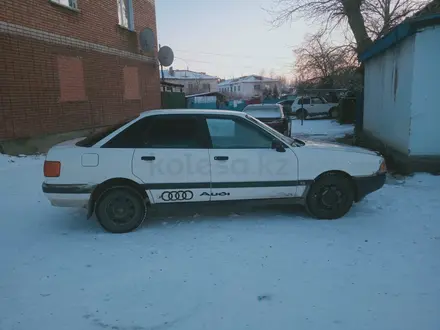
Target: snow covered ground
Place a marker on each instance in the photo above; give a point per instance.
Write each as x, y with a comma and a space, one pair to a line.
377, 268
320, 129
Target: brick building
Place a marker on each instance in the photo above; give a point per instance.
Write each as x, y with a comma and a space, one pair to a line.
69, 65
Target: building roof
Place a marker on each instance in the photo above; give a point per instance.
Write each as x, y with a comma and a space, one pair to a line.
186, 75
206, 94
170, 84
247, 79
428, 16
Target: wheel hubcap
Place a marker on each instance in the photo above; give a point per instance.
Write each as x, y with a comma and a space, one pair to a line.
330, 197
121, 210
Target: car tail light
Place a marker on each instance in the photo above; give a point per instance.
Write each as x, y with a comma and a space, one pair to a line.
52, 169
383, 167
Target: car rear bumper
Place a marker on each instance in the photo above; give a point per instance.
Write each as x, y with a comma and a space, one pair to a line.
67, 195
367, 185
69, 200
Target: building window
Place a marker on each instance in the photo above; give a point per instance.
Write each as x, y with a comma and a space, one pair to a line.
131, 83
125, 14
257, 87
67, 3
207, 87
71, 79
190, 87
238, 87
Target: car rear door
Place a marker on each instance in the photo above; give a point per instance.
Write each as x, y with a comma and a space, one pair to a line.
174, 161
243, 163
318, 105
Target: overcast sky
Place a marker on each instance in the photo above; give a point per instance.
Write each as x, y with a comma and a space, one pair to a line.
227, 38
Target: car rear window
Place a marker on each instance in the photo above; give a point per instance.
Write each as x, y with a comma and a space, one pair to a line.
97, 136
264, 112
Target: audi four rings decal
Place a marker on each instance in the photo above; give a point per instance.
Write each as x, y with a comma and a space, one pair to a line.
177, 195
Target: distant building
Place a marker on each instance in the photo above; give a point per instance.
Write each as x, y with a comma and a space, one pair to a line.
248, 86
401, 105
71, 65
193, 82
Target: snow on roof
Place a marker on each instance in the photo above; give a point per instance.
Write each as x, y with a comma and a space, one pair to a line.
186, 74
247, 79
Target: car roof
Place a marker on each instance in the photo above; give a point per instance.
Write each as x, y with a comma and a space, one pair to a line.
262, 105
191, 112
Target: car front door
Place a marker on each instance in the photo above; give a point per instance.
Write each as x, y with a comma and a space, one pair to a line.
173, 162
243, 163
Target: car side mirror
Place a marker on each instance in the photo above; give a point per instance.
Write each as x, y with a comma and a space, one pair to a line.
278, 146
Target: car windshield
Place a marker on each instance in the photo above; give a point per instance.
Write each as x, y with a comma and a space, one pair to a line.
286, 139
98, 135
263, 111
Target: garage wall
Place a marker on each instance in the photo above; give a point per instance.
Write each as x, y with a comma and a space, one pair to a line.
387, 95
425, 117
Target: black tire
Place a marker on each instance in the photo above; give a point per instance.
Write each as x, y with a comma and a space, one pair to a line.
299, 112
330, 197
333, 113
121, 210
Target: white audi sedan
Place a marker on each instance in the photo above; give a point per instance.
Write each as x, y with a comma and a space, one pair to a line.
204, 156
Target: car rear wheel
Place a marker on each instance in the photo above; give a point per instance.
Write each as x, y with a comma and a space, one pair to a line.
301, 113
330, 197
121, 210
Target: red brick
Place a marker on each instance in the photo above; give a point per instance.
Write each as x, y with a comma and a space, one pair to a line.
29, 75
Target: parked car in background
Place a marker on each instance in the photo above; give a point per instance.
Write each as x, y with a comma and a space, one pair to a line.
310, 106
168, 157
287, 107
272, 115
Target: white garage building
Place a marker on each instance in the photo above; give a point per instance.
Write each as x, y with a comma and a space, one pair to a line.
402, 93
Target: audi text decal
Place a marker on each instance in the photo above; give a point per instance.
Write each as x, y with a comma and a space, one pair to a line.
177, 195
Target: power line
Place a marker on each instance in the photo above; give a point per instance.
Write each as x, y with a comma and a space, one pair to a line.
235, 56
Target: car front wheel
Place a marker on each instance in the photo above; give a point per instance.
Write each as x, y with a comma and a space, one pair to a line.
330, 197
121, 210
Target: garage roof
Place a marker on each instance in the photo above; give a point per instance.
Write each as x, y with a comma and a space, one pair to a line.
399, 33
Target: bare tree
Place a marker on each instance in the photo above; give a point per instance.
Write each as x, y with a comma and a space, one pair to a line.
382, 15
366, 19
317, 58
272, 74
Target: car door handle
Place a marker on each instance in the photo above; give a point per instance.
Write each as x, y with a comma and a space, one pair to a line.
148, 158
221, 158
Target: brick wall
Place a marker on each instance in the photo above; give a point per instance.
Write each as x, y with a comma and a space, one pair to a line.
30, 102
33, 99
96, 21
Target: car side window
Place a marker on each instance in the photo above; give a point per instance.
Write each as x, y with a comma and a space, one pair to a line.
317, 100
228, 133
132, 137
306, 100
179, 132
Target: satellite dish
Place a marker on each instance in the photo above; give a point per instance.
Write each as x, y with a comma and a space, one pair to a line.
147, 40
166, 56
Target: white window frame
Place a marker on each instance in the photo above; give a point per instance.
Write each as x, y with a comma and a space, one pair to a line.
125, 14
67, 3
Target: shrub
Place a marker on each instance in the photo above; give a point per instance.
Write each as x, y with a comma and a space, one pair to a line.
347, 110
